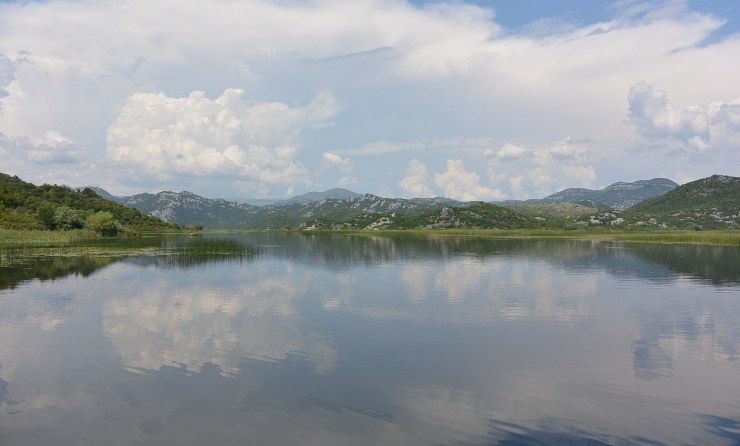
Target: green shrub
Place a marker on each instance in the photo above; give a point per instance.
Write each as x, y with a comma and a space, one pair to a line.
45, 215
68, 218
103, 223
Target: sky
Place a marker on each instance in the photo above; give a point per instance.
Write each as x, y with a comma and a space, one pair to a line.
480, 100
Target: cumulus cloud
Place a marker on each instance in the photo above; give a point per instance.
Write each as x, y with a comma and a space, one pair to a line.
570, 149
414, 184
547, 168
344, 165
531, 86
6, 75
198, 136
460, 184
654, 117
456, 144
509, 152
692, 128
50, 148
725, 123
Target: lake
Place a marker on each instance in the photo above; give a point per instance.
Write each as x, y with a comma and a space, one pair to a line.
333, 340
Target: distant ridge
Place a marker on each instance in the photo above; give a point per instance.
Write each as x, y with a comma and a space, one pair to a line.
309, 197
708, 203
620, 195
188, 208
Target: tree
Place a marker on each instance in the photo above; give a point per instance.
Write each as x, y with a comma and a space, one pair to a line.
68, 218
104, 223
46, 216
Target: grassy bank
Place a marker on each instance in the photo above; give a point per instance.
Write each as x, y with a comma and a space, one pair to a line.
89, 240
83, 242
729, 237
43, 237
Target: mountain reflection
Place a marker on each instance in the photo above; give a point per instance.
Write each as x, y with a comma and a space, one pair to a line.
713, 264
367, 340
18, 269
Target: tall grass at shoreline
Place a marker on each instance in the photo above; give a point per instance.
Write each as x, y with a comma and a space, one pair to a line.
43, 237
66, 240
719, 237
85, 242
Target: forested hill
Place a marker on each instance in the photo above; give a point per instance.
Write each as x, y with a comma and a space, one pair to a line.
27, 206
712, 202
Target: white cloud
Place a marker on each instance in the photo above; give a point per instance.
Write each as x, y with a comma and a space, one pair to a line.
725, 125
654, 117
690, 127
448, 67
50, 148
460, 184
480, 145
570, 149
198, 136
344, 165
7, 71
549, 166
509, 152
414, 184
337, 161
725, 116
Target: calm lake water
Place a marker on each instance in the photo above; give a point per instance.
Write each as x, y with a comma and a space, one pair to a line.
375, 340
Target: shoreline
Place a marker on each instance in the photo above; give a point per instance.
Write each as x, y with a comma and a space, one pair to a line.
712, 237
10, 238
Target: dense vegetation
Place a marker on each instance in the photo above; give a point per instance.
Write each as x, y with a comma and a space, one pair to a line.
708, 203
477, 215
27, 206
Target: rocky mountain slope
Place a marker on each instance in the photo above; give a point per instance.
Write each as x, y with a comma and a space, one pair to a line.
188, 208
708, 203
477, 215
308, 197
712, 202
331, 194
618, 196
294, 214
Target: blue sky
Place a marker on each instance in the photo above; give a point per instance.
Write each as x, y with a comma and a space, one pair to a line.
476, 100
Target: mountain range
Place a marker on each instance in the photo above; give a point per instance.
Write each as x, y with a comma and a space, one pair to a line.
619, 196
709, 203
188, 209
341, 208
308, 197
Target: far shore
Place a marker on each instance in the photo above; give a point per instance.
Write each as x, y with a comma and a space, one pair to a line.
19, 238
713, 237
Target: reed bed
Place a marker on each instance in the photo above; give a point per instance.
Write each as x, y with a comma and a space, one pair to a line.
728, 237
30, 237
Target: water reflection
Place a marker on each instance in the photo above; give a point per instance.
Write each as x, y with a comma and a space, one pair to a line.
189, 323
367, 340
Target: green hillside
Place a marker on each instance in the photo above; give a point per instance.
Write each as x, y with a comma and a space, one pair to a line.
474, 216
27, 206
708, 203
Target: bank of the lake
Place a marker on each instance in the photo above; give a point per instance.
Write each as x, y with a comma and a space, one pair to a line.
89, 242
716, 237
